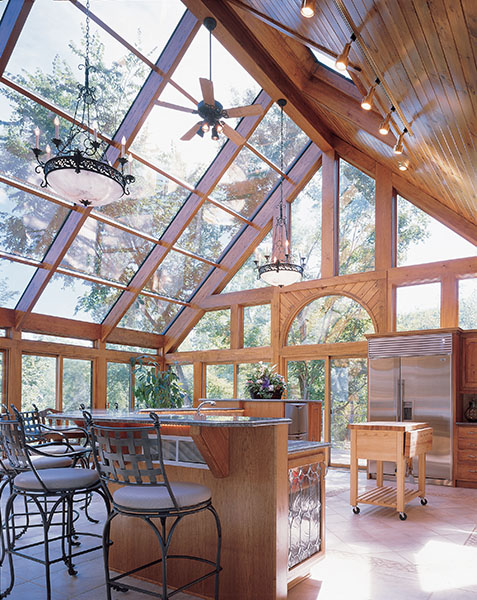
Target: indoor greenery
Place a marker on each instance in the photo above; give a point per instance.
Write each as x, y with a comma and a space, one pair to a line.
263, 382
154, 388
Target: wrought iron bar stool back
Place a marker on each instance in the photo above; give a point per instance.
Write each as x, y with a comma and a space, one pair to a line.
132, 457
53, 492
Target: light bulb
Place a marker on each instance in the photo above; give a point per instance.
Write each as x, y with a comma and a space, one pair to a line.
308, 8
205, 127
219, 127
403, 165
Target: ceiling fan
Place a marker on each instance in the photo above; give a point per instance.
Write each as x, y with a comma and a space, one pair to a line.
210, 110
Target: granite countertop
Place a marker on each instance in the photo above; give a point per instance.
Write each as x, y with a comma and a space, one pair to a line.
205, 420
466, 424
295, 400
295, 446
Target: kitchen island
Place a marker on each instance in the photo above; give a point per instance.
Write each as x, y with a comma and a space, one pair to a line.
262, 493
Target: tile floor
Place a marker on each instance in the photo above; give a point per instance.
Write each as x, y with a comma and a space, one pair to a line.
371, 556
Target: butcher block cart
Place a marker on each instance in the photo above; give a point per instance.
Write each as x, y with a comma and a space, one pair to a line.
389, 441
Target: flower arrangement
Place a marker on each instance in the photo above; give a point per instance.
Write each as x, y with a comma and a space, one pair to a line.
263, 382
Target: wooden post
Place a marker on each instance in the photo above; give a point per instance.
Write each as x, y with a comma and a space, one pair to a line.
449, 301
385, 219
236, 326
14, 370
100, 377
329, 218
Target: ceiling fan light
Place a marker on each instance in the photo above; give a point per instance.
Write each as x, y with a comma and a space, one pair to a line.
215, 133
308, 8
205, 127
219, 127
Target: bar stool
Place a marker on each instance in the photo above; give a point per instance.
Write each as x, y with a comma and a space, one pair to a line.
132, 457
53, 491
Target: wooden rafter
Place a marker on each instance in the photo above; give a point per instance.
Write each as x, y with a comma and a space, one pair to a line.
301, 172
182, 219
143, 103
11, 26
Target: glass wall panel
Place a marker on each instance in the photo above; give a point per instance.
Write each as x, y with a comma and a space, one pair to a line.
349, 396
153, 202
220, 381
106, 252
38, 382
212, 331
118, 386
186, 377
306, 381
468, 303
329, 320
422, 239
149, 314
178, 276
77, 378
306, 241
245, 184
246, 277
356, 220
256, 325
418, 307
125, 348
28, 224
26, 335
14, 278
266, 138
74, 298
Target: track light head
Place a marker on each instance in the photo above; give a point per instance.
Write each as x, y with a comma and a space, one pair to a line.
341, 62
403, 165
308, 8
367, 101
398, 148
384, 127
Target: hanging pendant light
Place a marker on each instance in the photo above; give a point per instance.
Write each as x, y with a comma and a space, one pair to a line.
79, 170
280, 270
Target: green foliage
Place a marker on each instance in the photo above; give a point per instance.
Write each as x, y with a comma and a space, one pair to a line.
118, 390
212, 331
154, 388
38, 382
220, 381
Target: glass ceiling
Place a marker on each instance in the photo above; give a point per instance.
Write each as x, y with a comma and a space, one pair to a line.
115, 241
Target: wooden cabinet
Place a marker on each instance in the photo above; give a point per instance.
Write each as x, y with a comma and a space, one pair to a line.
466, 463
469, 362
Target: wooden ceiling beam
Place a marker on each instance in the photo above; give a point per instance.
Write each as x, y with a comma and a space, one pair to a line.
301, 172
264, 53
11, 26
182, 219
143, 103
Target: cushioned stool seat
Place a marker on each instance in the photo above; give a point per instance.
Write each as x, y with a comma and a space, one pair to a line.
156, 498
63, 448
41, 462
57, 479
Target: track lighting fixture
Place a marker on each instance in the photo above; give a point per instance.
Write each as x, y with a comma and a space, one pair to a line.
398, 148
384, 127
308, 8
341, 62
367, 101
403, 165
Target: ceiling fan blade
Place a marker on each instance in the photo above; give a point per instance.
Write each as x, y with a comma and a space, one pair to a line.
244, 111
233, 135
207, 88
176, 107
192, 131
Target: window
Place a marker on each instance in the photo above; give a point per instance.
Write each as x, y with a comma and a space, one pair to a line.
38, 382
243, 371
468, 303
56, 339
186, 378
212, 331
422, 239
220, 381
256, 325
329, 320
356, 220
76, 383
306, 379
118, 390
418, 307
246, 277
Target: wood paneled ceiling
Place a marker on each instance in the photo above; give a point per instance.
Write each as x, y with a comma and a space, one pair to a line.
425, 52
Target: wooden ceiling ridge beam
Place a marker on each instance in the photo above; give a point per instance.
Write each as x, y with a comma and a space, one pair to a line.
133, 50
334, 97
289, 32
129, 127
302, 171
11, 25
432, 205
182, 219
275, 72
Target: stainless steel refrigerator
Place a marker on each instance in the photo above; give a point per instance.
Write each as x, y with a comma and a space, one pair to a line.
415, 388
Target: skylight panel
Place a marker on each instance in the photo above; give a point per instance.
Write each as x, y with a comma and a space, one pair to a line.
149, 314
14, 278
328, 61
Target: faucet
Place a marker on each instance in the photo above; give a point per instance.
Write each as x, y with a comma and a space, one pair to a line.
198, 413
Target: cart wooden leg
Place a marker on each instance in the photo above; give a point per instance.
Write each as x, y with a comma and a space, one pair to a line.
379, 473
400, 474
353, 496
422, 475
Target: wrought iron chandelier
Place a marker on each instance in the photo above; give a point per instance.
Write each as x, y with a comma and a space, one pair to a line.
281, 270
80, 171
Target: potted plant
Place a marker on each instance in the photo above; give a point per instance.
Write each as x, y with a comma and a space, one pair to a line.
154, 388
263, 382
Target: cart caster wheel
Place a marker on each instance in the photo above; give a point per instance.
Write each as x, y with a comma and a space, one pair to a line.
402, 516
423, 501
356, 510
